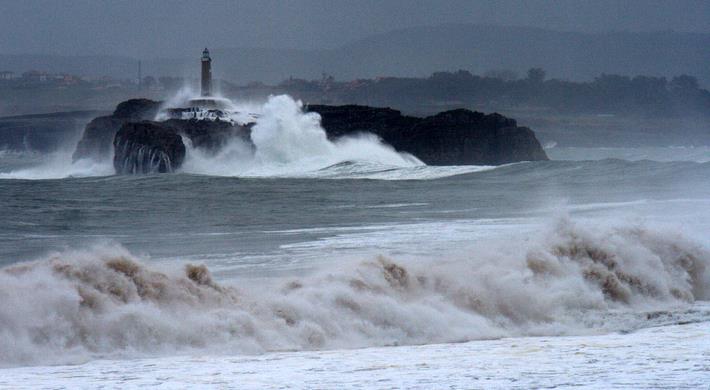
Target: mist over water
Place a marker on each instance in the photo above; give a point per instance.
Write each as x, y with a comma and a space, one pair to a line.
59, 165
33, 165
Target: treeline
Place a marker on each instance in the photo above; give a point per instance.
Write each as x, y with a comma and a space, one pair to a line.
606, 94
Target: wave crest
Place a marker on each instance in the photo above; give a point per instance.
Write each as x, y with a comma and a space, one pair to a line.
288, 142
572, 279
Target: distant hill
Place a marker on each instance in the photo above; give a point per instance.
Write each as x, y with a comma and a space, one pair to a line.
421, 51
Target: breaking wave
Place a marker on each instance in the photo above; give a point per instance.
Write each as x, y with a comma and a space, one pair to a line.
290, 142
286, 142
572, 279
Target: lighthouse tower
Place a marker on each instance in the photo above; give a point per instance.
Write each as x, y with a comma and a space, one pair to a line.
206, 73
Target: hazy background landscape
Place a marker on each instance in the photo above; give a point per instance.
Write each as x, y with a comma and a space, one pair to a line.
604, 73
412, 52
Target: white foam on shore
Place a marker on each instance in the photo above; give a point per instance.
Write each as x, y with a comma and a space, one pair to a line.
672, 356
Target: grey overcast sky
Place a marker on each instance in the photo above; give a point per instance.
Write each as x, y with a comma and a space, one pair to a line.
165, 28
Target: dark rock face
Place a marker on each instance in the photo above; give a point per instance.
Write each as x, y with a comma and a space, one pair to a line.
137, 109
456, 137
99, 133
97, 140
351, 119
465, 137
147, 147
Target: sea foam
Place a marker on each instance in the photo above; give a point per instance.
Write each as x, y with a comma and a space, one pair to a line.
571, 279
289, 142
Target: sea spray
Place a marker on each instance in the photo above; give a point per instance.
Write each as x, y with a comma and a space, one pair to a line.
58, 165
288, 141
571, 279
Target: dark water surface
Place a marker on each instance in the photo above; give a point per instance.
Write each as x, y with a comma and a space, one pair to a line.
182, 215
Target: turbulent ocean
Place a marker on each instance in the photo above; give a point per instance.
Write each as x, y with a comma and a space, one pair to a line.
314, 264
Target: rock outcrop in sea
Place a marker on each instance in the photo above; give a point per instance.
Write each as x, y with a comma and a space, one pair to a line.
99, 134
147, 147
456, 137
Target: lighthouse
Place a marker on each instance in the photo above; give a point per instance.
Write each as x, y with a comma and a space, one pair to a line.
206, 73
198, 106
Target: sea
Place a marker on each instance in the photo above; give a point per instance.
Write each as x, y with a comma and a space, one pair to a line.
306, 263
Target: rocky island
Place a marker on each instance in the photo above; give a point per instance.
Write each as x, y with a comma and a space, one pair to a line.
146, 136
457, 137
